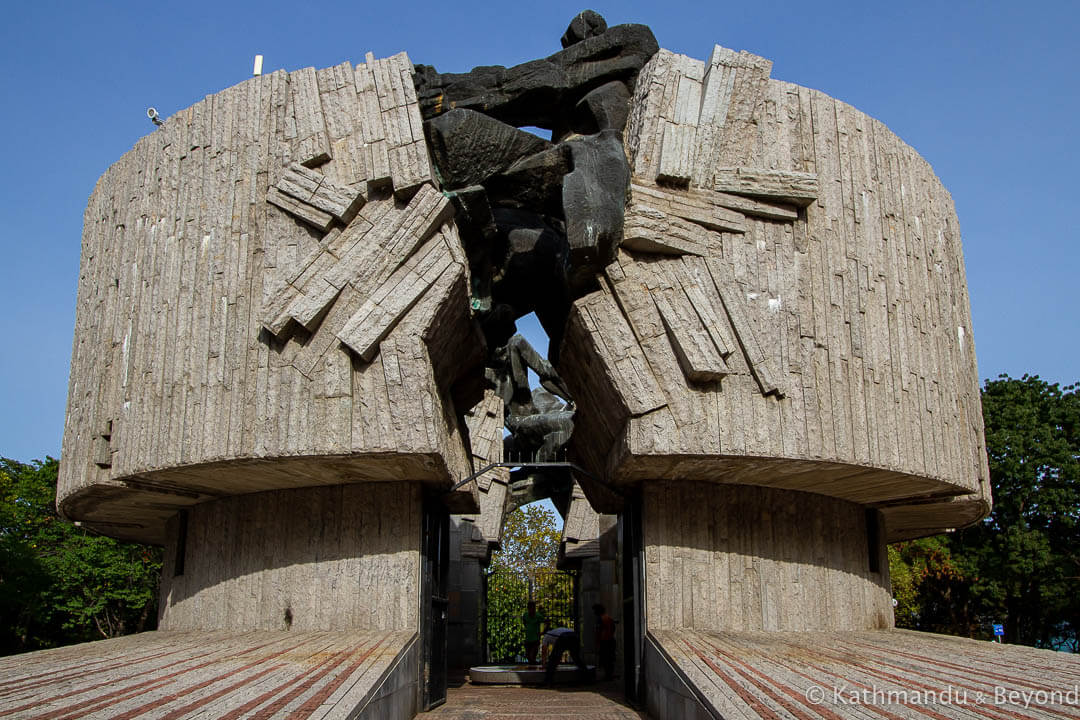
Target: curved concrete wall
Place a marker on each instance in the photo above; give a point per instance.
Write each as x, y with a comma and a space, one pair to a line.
273, 295
327, 558
732, 558
191, 378
788, 308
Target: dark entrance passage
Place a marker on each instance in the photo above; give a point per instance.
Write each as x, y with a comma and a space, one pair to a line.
506, 594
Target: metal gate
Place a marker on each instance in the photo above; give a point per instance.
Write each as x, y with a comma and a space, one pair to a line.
436, 564
506, 595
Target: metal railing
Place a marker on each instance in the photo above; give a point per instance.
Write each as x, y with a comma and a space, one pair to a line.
506, 595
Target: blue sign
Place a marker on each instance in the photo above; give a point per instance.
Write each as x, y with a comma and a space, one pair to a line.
999, 630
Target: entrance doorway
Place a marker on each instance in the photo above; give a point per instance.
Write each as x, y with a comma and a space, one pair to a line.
491, 581
506, 595
523, 569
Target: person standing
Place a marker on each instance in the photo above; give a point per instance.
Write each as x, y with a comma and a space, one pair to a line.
605, 640
533, 623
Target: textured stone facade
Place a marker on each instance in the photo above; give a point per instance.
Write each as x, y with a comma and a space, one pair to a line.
750, 558
310, 559
788, 307
208, 358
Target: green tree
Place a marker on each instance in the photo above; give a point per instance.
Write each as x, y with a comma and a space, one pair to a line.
24, 580
931, 590
523, 567
1025, 555
1020, 565
506, 597
59, 583
530, 540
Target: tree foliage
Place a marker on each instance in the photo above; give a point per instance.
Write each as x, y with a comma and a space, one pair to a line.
530, 540
60, 584
929, 586
1020, 566
523, 569
507, 595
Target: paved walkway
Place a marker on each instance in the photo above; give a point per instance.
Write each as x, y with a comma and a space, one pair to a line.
602, 701
848, 675
200, 674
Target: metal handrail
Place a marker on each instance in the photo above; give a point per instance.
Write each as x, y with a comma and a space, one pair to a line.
523, 465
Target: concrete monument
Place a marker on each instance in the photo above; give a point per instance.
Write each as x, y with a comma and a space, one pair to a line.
291, 294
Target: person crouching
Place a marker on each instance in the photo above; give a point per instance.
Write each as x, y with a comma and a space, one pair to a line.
556, 642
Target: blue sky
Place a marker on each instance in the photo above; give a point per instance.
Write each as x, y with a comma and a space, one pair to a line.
986, 91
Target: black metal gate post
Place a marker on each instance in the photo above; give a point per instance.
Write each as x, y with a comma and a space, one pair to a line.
435, 567
631, 544
485, 647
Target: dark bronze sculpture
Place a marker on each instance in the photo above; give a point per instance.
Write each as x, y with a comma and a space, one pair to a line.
539, 423
538, 218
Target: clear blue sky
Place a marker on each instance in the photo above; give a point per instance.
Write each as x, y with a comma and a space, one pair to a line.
986, 91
